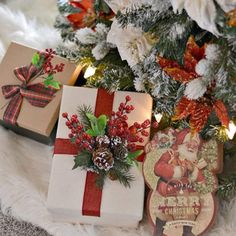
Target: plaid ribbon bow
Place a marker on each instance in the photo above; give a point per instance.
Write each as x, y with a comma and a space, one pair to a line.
36, 94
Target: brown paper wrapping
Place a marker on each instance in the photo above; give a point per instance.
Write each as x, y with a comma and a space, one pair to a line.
33, 121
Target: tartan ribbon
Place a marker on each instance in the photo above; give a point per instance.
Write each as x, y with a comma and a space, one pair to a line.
36, 94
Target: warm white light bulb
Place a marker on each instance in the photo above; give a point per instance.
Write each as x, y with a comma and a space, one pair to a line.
158, 117
90, 71
232, 130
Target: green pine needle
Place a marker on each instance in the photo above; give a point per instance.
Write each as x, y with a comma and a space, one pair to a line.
83, 110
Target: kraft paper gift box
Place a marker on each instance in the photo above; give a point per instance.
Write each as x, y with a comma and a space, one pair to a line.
120, 206
34, 122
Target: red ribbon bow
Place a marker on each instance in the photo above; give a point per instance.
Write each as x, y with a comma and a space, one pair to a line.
36, 94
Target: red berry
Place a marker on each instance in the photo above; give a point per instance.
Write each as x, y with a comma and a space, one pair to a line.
70, 135
113, 113
65, 114
85, 145
78, 141
141, 140
125, 117
74, 116
127, 98
137, 125
68, 123
122, 105
155, 124
118, 113
79, 127
145, 133
131, 107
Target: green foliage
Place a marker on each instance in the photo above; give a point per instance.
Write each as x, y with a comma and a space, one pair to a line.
123, 176
101, 6
100, 180
83, 110
38, 60
77, 54
65, 7
49, 81
130, 159
98, 125
227, 186
173, 34
83, 159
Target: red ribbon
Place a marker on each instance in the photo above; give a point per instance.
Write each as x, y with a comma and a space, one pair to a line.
92, 194
36, 94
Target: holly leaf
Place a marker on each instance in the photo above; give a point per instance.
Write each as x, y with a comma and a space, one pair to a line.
102, 123
91, 132
83, 159
35, 59
38, 60
94, 123
131, 158
49, 81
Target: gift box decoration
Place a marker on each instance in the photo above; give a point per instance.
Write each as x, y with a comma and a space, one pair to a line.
180, 169
73, 195
31, 90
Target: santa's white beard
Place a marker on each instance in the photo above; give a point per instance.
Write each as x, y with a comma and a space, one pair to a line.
184, 153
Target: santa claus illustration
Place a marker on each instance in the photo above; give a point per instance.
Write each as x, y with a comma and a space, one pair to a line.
178, 168
180, 162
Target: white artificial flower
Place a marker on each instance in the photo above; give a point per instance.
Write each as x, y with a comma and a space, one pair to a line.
131, 42
196, 88
203, 11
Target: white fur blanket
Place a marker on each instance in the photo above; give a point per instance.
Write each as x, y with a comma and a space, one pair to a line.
25, 164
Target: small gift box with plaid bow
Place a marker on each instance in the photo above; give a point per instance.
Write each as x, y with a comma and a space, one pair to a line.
31, 90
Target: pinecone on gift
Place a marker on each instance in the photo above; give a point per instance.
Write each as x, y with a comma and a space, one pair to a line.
102, 141
120, 151
103, 158
116, 141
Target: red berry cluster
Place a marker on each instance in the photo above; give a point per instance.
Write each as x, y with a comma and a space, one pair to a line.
81, 138
118, 126
47, 65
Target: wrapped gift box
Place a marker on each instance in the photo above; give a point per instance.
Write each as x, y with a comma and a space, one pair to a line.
34, 122
120, 206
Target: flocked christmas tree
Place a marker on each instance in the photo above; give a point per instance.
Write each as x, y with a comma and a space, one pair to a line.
183, 53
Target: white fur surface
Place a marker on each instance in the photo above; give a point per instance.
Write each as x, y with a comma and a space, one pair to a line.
25, 164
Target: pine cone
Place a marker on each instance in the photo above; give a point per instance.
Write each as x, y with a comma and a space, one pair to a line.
102, 141
116, 141
103, 158
120, 151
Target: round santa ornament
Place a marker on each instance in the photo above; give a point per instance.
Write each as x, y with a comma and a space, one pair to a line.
180, 169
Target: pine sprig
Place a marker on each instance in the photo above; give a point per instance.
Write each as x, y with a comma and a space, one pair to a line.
64, 7
124, 177
227, 186
83, 110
